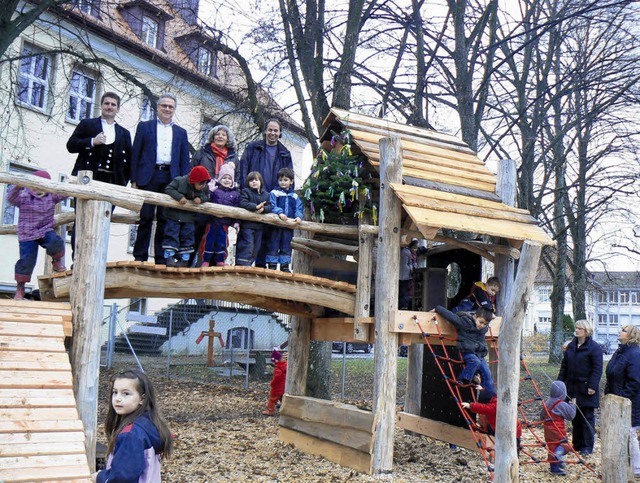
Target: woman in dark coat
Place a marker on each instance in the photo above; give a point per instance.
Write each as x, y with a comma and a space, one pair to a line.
623, 379
581, 371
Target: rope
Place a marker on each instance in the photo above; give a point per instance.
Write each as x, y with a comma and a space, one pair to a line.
485, 442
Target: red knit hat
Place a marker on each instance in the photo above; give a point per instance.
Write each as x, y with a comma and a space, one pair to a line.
199, 174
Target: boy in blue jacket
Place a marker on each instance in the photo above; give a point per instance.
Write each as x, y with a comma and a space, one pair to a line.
472, 330
286, 204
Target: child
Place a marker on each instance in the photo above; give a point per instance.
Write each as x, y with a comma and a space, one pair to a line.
554, 411
179, 228
138, 436
481, 295
277, 383
253, 198
286, 204
35, 228
408, 264
472, 330
487, 406
216, 241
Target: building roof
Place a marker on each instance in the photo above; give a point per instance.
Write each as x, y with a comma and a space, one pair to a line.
444, 183
620, 280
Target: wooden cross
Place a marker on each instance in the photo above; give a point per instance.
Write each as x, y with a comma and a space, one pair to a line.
211, 333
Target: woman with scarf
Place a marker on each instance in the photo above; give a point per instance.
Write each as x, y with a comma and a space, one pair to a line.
219, 149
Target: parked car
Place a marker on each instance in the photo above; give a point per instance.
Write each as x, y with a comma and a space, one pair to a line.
351, 347
403, 350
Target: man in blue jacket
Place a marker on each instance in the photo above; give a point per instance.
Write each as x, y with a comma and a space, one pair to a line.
267, 156
160, 154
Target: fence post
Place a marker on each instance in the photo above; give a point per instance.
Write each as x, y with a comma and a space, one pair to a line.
614, 434
169, 343
111, 337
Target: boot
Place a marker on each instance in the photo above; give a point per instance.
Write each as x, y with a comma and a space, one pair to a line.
58, 266
19, 291
272, 266
284, 267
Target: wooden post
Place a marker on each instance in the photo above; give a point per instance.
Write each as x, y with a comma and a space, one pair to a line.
504, 266
386, 287
615, 431
300, 336
93, 221
413, 392
506, 468
365, 267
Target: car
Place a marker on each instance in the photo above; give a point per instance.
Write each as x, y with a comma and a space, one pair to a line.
351, 347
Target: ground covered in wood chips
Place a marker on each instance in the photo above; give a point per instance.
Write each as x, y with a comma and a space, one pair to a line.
222, 436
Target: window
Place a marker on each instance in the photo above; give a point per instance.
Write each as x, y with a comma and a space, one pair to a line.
150, 30
205, 61
608, 319
81, 96
90, 7
138, 306
147, 112
544, 294
35, 73
634, 298
544, 320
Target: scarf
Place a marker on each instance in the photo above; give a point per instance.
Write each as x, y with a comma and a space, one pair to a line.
220, 154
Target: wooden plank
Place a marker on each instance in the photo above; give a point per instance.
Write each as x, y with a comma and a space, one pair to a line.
31, 329
33, 318
32, 344
42, 449
28, 305
38, 414
40, 361
147, 319
35, 379
336, 331
445, 196
67, 436
42, 462
40, 426
438, 430
333, 452
450, 179
405, 321
331, 413
474, 224
68, 474
344, 436
37, 401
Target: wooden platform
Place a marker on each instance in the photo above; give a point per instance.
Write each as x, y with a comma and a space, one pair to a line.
289, 293
41, 435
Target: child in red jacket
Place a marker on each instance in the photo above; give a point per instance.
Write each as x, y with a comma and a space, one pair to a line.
487, 405
277, 383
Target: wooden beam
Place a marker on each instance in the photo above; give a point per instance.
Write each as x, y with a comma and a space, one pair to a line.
325, 246
406, 321
447, 188
306, 250
615, 422
386, 302
506, 467
321, 329
365, 272
438, 430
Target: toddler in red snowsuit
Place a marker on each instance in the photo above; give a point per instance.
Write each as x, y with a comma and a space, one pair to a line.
555, 410
277, 383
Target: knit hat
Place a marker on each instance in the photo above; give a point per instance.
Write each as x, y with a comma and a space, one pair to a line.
199, 174
227, 169
486, 395
42, 174
558, 390
276, 355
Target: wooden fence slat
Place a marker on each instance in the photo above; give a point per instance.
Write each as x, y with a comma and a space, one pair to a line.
66, 473
351, 438
331, 413
32, 329
40, 426
33, 344
35, 379
42, 449
62, 437
38, 414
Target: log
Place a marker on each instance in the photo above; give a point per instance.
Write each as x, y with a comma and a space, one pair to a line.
326, 246
506, 467
386, 296
87, 300
615, 433
330, 413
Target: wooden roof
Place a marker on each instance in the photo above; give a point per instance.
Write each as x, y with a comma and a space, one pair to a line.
444, 183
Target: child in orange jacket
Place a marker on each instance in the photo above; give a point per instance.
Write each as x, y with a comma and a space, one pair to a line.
277, 383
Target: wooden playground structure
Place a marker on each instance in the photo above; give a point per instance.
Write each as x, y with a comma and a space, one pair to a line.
431, 186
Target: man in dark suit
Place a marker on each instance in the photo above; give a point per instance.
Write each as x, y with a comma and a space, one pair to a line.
103, 146
160, 154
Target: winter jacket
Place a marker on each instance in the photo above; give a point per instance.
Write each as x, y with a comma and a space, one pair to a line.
136, 455
407, 263
254, 158
279, 378
478, 297
249, 199
178, 188
227, 197
36, 212
623, 377
205, 157
470, 338
581, 369
489, 410
287, 202
564, 409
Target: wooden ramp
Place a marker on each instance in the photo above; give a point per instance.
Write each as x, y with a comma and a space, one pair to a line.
41, 435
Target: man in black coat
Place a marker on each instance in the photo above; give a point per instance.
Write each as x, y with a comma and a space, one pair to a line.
103, 146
